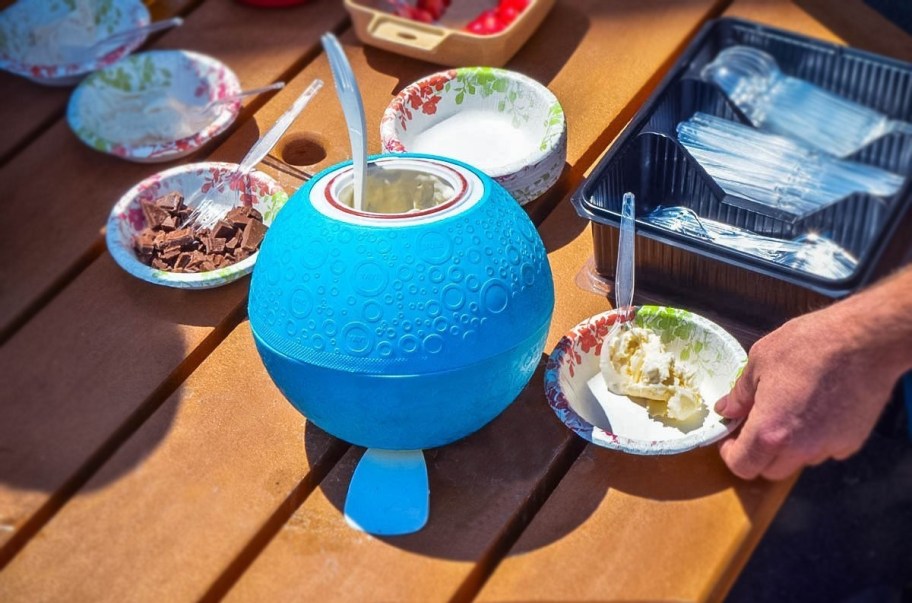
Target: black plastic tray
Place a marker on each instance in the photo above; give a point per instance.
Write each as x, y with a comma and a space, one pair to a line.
648, 160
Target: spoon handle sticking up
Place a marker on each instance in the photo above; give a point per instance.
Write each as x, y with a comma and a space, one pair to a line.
352, 107
623, 276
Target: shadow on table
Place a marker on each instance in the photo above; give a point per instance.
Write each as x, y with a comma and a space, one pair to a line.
524, 479
484, 487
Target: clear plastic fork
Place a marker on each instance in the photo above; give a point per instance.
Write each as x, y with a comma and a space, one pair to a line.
210, 207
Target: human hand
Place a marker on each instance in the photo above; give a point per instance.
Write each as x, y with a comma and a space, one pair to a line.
812, 390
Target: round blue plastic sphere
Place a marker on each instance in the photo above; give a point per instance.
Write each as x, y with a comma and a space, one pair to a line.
402, 330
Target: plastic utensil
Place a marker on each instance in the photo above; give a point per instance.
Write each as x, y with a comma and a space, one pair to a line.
624, 273
793, 107
810, 253
82, 54
774, 171
389, 493
353, 108
212, 207
217, 102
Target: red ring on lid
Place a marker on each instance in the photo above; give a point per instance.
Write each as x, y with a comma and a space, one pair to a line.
457, 197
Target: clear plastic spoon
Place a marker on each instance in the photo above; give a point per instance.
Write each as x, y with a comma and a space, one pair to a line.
353, 108
792, 107
624, 271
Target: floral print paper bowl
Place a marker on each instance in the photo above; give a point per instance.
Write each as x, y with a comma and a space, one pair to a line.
502, 122
577, 394
149, 107
43, 40
127, 219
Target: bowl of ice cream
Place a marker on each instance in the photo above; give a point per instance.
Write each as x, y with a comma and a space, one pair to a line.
504, 123
154, 106
409, 322
45, 41
149, 236
648, 389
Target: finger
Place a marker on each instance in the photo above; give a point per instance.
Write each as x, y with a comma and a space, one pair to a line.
738, 402
753, 449
784, 465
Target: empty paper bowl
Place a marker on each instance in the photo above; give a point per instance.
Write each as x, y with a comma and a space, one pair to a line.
577, 394
44, 41
149, 107
504, 123
127, 218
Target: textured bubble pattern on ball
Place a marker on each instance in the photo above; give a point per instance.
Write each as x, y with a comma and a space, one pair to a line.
403, 332
386, 299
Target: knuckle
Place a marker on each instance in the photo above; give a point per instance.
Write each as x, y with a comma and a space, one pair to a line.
772, 441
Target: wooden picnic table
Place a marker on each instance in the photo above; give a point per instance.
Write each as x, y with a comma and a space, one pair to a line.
145, 455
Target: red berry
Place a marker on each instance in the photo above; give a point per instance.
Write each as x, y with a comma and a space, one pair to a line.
507, 13
435, 7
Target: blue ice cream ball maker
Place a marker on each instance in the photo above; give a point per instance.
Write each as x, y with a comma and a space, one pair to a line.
402, 331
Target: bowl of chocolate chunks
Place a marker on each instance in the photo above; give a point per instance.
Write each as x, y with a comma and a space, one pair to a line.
155, 232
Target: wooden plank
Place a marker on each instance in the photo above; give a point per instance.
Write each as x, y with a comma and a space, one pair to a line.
650, 529
27, 108
163, 529
859, 25
63, 190
82, 372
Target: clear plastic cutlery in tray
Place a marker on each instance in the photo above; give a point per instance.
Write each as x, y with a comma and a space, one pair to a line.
761, 255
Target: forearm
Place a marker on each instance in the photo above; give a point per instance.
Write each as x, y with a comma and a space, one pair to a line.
878, 322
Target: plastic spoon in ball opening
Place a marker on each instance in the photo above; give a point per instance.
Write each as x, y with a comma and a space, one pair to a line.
213, 207
624, 271
353, 108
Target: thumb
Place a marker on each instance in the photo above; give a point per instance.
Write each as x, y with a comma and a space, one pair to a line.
738, 402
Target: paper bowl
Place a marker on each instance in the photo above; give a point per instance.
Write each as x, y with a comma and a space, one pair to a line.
27, 34
507, 125
577, 395
127, 220
124, 109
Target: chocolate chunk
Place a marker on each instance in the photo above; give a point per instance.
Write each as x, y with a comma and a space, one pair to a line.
154, 214
237, 217
183, 260
217, 245
253, 235
157, 263
169, 223
170, 253
233, 242
181, 238
254, 214
144, 242
172, 202
223, 230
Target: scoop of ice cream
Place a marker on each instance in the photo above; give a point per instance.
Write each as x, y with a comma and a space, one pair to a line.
635, 363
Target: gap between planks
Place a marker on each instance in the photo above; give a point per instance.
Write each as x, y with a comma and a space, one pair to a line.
123, 433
